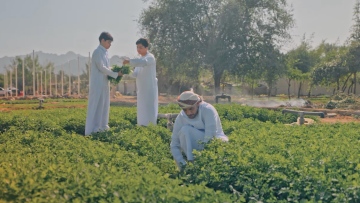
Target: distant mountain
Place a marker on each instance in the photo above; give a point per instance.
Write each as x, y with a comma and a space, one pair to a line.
67, 62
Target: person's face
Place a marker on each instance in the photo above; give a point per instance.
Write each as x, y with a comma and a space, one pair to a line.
141, 49
192, 111
106, 43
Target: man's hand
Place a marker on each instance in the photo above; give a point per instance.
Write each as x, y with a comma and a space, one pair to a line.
126, 62
120, 73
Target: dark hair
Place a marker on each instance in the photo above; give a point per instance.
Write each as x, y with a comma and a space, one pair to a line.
143, 41
105, 36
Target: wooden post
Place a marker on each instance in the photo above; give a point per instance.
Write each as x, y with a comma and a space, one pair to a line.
34, 91
89, 73
37, 84
41, 83
45, 83
23, 76
56, 89
69, 80
5, 83
16, 80
10, 83
50, 82
78, 75
62, 81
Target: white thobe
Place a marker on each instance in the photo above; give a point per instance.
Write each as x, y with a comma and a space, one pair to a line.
97, 117
147, 89
189, 134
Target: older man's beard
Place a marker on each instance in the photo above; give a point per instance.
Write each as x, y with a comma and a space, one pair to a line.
192, 116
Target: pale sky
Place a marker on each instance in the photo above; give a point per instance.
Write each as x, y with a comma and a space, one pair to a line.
59, 26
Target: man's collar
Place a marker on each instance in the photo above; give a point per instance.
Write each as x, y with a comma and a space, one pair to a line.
102, 48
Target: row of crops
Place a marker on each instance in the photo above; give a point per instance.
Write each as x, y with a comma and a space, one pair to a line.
45, 158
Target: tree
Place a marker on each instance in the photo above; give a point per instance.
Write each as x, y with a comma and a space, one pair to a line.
219, 35
274, 67
355, 34
299, 64
330, 67
353, 61
354, 49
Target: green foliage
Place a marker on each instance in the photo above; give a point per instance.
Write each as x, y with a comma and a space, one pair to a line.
45, 158
204, 36
39, 167
268, 162
331, 66
234, 112
124, 69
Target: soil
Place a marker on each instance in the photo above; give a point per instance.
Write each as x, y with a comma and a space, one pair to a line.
339, 119
342, 116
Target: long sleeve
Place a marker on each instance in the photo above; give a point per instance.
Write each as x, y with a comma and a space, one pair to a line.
210, 119
100, 65
143, 62
175, 143
136, 72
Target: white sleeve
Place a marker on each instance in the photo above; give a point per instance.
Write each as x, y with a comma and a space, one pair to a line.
136, 72
210, 120
175, 143
100, 65
142, 62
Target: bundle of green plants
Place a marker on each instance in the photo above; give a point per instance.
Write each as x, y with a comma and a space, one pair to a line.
122, 69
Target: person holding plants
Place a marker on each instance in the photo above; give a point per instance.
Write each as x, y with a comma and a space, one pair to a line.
146, 84
197, 124
97, 117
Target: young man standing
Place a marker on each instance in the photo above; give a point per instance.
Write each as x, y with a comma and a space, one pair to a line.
197, 123
97, 117
146, 84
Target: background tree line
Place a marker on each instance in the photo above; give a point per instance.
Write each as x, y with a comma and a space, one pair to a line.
243, 39
236, 41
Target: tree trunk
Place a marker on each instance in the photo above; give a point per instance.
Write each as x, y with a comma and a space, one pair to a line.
252, 90
350, 87
269, 90
345, 83
217, 79
355, 83
300, 84
289, 84
309, 93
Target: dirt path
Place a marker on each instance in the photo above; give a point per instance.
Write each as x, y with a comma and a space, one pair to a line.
340, 119
342, 116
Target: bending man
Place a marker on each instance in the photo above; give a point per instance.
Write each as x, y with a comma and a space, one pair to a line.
197, 123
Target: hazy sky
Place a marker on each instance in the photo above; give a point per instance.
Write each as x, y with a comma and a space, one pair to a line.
59, 26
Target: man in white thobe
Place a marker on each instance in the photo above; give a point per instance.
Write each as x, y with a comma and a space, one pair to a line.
146, 84
197, 123
97, 117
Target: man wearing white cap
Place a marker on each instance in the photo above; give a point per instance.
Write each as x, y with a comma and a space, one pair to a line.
197, 123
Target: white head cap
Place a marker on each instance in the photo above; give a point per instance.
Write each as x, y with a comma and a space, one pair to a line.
188, 99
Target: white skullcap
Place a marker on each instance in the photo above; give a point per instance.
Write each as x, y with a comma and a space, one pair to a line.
188, 99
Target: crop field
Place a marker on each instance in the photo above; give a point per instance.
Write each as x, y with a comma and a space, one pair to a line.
44, 157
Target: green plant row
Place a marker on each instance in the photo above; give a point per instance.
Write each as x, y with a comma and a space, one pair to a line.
268, 162
45, 158
41, 167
